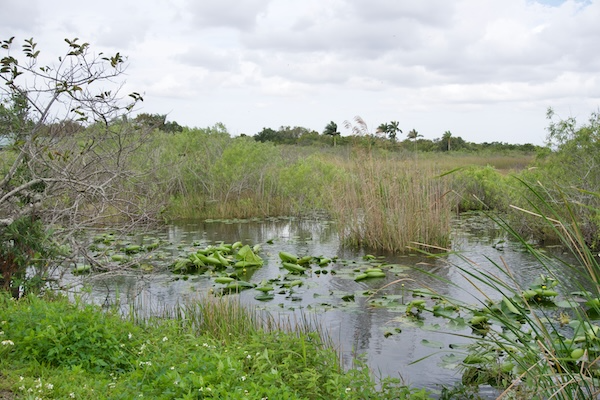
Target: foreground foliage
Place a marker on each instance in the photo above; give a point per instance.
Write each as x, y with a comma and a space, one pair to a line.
57, 349
538, 341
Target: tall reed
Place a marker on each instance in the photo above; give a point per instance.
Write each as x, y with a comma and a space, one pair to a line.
388, 204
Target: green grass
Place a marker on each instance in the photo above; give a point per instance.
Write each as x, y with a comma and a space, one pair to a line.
54, 349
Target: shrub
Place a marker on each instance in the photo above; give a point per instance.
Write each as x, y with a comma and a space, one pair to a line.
63, 334
480, 188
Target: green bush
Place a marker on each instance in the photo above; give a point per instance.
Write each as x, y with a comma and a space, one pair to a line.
480, 188
26, 244
565, 173
63, 334
307, 183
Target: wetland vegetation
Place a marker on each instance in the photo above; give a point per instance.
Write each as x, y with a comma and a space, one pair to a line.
98, 167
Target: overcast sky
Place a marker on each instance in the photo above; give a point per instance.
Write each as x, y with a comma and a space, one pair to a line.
486, 70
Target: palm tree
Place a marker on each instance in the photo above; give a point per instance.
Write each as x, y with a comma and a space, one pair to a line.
393, 129
383, 128
331, 130
413, 134
447, 136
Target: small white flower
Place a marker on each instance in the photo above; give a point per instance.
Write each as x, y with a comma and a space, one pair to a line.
130, 335
49, 386
348, 390
248, 356
172, 368
165, 339
243, 378
205, 344
1, 333
8, 343
72, 395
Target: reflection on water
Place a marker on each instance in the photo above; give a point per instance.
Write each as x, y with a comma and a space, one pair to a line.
357, 327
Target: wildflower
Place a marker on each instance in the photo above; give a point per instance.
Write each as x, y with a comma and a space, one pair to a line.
72, 395
130, 336
172, 368
165, 339
348, 390
22, 388
243, 378
49, 386
205, 344
8, 343
248, 356
1, 333
21, 378
148, 363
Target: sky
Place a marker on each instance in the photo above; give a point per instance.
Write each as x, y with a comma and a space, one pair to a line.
485, 70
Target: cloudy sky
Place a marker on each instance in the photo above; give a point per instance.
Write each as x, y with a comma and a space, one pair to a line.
483, 69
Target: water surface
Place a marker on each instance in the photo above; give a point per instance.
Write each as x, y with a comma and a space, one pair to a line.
363, 321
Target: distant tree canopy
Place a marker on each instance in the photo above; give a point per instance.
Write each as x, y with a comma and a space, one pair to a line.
287, 135
157, 121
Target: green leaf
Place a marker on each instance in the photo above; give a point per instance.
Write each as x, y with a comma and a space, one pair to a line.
432, 343
246, 254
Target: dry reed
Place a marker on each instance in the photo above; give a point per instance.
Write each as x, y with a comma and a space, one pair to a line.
390, 204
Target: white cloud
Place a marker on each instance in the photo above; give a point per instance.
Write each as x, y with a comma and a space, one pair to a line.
481, 66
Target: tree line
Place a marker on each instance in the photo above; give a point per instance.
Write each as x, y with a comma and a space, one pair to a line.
387, 135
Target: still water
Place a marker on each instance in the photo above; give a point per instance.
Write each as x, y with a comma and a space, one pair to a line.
363, 320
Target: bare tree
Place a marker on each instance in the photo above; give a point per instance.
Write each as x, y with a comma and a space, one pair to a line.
73, 160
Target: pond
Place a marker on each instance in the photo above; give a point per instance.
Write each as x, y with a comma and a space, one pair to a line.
363, 320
